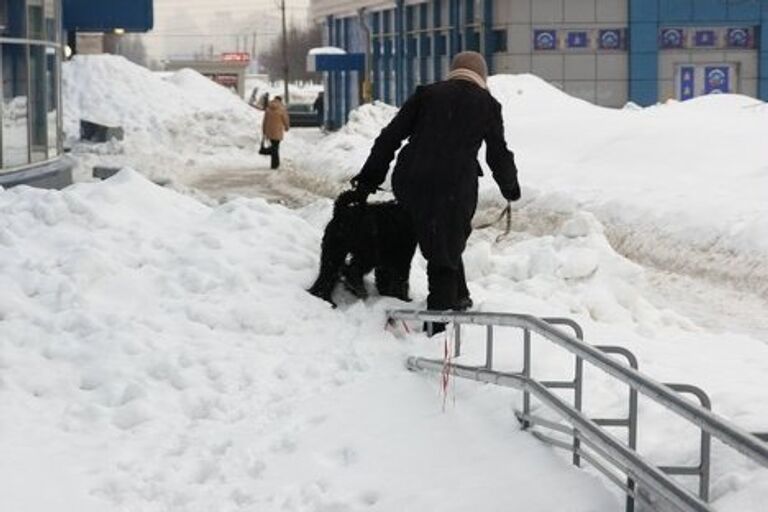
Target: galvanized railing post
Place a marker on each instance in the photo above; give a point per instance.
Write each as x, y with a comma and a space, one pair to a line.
526, 373
703, 469
578, 378
489, 347
456, 339
631, 421
577, 390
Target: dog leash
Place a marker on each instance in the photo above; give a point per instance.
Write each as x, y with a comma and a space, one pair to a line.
506, 214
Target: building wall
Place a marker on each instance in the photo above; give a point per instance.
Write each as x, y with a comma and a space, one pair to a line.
591, 72
605, 51
655, 69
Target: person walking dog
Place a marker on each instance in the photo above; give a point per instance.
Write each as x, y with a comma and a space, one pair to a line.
436, 175
274, 126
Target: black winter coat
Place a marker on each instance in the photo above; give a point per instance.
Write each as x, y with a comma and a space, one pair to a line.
435, 178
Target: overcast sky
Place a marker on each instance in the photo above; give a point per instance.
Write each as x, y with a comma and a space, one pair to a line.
186, 26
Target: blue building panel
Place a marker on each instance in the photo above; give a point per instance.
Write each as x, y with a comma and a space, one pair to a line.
744, 11
710, 10
643, 11
105, 16
674, 11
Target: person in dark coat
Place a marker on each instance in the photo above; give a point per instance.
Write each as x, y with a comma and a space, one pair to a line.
436, 175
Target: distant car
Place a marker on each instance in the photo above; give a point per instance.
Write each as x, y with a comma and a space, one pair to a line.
303, 115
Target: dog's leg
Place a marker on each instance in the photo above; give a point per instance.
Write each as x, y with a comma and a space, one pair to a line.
333, 253
353, 274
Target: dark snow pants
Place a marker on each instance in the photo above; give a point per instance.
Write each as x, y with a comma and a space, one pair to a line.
275, 154
446, 286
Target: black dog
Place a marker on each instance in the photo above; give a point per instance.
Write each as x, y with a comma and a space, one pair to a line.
362, 237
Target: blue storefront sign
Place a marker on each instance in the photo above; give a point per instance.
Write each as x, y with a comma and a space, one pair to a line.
578, 39
705, 38
717, 79
106, 16
610, 39
672, 38
739, 38
336, 62
687, 82
545, 39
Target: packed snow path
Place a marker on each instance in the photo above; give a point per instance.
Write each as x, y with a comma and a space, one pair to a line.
712, 302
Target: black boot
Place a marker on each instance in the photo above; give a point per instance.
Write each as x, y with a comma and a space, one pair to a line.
464, 303
432, 328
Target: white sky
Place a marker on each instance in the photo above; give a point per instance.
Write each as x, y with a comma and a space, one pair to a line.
184, 27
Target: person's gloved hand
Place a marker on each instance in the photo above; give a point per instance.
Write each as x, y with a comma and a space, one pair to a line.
359, 194
511, 194
362, 188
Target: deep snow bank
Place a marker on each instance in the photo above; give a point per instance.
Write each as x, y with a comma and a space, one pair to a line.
173, 124
691, 173
158, 354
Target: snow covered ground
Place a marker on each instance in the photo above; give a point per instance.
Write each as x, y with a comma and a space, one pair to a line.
160, 354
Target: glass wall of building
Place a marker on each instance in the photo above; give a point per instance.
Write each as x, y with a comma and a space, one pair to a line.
30, 64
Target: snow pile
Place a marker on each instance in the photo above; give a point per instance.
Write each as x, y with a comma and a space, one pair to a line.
576, 267
340, 155
158, 354
172, 125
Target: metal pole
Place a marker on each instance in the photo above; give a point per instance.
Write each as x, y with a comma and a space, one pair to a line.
285, 55
456, 339
489, 347
527, 374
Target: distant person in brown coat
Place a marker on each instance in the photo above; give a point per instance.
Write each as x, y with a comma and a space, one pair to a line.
274, 126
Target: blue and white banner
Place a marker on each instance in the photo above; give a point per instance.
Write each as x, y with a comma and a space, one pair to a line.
578, 39
611, 39
687, 82
717, 79
672, 38
545, 39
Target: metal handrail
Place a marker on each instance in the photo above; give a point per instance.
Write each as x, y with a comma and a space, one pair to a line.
720, 428
589, 430
605, 443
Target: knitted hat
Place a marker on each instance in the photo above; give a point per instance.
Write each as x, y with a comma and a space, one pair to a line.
472, 61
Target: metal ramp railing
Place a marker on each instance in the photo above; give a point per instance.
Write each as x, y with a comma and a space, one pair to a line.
589, 440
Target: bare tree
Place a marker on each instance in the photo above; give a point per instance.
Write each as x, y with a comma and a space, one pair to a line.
300, 41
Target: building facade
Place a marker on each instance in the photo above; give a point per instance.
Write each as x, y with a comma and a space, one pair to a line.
608, 52
30, 69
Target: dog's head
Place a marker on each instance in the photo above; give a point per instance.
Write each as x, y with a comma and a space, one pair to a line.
346, 199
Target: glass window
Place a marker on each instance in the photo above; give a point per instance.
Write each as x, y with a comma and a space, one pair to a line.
38, 141
50, 20
15, 150
36, 20
52, 73
12, 18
